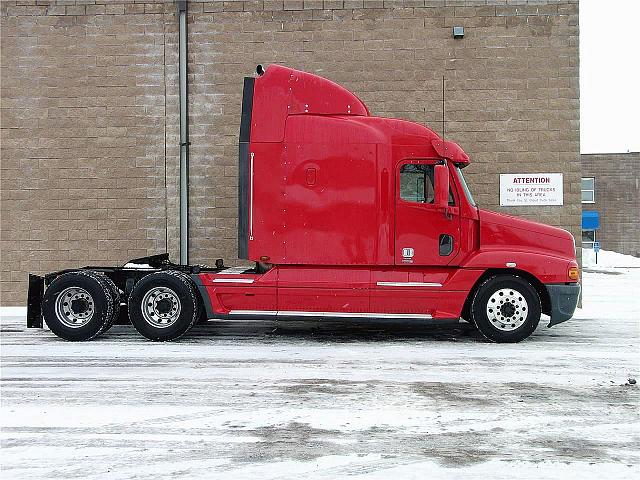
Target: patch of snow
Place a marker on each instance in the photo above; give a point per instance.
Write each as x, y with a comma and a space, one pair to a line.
138, 266
285, 401
608, 260
13, 312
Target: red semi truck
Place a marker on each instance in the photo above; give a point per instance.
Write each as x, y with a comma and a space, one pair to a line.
345, 215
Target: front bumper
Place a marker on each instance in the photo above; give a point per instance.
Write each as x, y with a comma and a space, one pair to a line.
564, 299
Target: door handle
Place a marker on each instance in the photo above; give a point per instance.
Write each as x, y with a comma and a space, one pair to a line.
445, 245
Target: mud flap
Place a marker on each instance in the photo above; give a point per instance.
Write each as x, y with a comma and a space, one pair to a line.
34, 301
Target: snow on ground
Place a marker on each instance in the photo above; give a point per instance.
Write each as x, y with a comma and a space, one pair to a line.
303, 400
608, 260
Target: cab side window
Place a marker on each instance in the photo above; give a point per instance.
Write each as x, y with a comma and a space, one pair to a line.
416, 183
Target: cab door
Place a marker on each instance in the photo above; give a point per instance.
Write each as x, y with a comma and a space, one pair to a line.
424, 235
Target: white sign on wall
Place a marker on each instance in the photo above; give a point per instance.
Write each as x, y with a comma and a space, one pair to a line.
518, 189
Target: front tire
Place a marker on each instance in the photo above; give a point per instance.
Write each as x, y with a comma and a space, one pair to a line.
506, 309
80, 305
164, 306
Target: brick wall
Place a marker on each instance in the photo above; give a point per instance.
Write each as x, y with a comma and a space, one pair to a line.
90, 111
83, 135
617, 199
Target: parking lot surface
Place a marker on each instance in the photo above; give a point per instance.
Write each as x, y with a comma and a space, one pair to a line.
310, 400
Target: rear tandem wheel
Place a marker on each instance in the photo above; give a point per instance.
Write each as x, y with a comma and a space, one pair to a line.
80, 305
164, 305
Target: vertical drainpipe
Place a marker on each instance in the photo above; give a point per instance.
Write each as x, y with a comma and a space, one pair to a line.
184, 134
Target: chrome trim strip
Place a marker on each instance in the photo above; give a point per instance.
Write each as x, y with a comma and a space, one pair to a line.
408, 284
287, 313
252, 312
232, 280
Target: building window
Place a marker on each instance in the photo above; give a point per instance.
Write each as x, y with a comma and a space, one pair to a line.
416, 183
588, 237
588, 190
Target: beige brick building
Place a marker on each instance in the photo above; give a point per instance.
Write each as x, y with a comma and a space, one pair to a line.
90, 117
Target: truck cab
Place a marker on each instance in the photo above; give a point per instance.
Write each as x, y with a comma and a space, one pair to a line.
348, 215
361, 216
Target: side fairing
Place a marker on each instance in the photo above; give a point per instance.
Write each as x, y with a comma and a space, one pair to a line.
437, 293
314, 205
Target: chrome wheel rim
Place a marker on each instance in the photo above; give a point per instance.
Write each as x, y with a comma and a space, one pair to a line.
161, 307
74, 307
507, 309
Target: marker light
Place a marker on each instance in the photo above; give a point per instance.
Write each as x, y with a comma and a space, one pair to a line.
574, 273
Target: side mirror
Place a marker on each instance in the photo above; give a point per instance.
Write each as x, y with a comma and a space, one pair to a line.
442, 187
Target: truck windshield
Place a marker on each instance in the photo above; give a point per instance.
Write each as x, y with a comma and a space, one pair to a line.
465, 187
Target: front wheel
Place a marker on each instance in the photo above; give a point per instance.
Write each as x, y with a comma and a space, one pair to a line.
163, 305
506, 309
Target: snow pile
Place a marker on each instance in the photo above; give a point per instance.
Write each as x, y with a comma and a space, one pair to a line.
13, 312
608, 260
